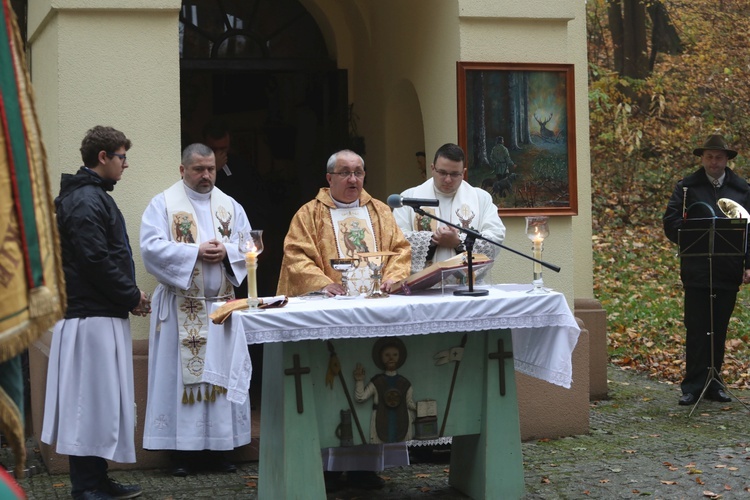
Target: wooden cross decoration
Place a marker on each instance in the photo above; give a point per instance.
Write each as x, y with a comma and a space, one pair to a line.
297, 371
501, 356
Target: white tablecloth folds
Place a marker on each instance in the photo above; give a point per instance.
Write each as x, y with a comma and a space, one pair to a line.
543, 328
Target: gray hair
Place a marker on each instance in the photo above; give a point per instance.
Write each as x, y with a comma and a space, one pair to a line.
331, 165
195, 149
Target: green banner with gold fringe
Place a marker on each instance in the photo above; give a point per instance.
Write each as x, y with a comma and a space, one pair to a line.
32, 295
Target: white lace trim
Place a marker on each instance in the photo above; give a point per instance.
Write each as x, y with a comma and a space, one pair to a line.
430, 442
394, 329
420, 245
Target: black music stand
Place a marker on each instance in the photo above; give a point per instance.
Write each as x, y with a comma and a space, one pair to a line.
709, 238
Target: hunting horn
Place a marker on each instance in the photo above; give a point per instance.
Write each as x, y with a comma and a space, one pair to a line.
733, 210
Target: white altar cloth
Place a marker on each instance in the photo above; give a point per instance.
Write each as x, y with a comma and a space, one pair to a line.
543, 328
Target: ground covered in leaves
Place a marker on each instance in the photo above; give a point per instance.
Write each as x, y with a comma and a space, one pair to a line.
642, 136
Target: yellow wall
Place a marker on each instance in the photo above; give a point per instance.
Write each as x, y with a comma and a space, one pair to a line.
97, 62
117, 63
404, 88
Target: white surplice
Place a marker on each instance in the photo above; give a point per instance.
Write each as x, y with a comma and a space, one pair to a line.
91, 367
480, 213
170, 424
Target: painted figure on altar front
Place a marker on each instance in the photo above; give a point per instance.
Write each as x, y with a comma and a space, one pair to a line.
393, 405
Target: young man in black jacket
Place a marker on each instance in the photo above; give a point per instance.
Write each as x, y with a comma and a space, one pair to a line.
89, 408
696, 196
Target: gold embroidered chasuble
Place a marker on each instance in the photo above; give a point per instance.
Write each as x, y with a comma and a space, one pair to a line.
310, 245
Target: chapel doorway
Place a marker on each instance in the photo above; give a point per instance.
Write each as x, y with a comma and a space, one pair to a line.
261, 68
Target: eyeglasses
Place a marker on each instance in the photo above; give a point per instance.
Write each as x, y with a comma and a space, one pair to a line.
345, 175
119, 155
452, 175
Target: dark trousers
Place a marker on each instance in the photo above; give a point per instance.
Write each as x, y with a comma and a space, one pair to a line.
698, 340
86, 473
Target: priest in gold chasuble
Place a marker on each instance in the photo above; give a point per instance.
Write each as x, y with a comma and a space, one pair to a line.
189, 236
340, 222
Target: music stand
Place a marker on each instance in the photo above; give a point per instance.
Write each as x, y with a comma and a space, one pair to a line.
712, 237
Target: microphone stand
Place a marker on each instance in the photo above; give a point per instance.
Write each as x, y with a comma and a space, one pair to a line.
471, 237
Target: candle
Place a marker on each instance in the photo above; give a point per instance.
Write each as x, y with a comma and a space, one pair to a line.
538, 255
251, 263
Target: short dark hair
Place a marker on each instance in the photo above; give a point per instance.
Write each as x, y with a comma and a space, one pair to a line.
101, 138
450, 152
195, 149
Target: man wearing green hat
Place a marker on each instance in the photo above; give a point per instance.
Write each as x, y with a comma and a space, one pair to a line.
696, 196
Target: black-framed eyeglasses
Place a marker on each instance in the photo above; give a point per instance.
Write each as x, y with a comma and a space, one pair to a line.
452, 175
121, 156
345, 175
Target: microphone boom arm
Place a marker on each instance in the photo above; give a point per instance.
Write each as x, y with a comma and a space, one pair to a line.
470, 233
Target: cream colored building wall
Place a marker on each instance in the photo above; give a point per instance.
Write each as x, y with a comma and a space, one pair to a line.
117, 63
404, 89
108, 62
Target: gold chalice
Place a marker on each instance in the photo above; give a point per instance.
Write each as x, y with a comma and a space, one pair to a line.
344, 266
376, 261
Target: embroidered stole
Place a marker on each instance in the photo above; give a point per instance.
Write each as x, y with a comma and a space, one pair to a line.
192, 313
354, 234
460, 209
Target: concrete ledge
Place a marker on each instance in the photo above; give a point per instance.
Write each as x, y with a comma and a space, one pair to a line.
592, 314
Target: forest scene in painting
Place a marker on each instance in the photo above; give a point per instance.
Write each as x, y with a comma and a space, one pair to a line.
517, 137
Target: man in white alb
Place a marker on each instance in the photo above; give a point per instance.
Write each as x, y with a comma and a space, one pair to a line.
189, 237
460, 203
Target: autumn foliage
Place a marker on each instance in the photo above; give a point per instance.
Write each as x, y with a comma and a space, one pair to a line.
642, 136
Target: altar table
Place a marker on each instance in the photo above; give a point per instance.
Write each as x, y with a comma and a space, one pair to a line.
300, 412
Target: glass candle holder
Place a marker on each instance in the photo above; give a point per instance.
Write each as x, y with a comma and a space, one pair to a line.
537, 229
250, 243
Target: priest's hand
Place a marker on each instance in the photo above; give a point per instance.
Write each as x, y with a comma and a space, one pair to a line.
446, 236
332, 289
144, 306
212, 251
386, 285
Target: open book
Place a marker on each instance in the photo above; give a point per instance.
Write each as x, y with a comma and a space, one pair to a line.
429, 276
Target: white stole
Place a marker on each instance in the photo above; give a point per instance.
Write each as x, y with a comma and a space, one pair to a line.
460, 209
192, 311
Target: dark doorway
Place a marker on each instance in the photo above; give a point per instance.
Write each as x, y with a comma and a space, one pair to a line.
261, 69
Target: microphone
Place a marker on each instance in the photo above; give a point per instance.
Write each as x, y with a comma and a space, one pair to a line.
398, 201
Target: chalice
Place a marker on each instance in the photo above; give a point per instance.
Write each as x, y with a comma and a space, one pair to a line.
250, 243
376, 261
344, 266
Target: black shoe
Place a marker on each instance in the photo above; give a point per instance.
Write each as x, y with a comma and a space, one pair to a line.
117, 490
718, 395
227, 466
364, 480
332, 480
687, 399
93, 495
179, 469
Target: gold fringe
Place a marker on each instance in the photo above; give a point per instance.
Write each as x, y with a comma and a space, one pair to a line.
184, 395
199, 398
12, 428
41, 302
191, 399
15, 340
213, 394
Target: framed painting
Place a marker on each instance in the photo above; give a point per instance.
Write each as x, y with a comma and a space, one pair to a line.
516, 123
